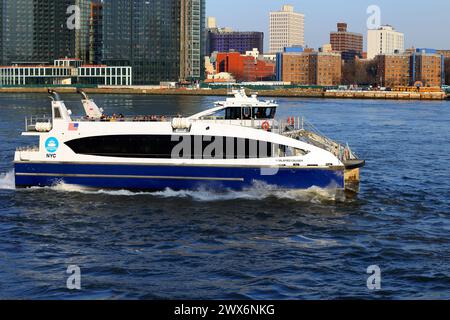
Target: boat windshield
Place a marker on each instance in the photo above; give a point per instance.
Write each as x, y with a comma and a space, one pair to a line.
246, 113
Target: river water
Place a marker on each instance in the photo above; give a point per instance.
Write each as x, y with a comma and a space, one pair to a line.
256, 244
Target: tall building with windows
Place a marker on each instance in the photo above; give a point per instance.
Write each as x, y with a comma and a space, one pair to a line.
393, 70
309, 68
349, 44
420, 67
287, 29
17, 31
384, 40
427, 68
192, 38
220, 40
1, 30
36, 31
96, 32
162, 40
82, 36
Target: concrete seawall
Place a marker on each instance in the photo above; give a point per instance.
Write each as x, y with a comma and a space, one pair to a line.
301, 93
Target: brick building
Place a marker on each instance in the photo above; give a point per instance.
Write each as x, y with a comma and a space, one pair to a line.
445, 53
310, 68
427, 68
327, 68
393, 70
243, 67
423, 67
349, 44
296, 68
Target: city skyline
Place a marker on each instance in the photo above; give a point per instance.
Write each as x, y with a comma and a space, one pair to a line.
321, 18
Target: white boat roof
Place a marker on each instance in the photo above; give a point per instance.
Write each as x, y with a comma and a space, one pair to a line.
239, 100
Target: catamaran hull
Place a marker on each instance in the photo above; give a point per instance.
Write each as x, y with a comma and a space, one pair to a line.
151, 177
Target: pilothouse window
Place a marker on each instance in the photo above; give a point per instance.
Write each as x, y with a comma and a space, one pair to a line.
247, 113
264, 113
57, 113
233, 114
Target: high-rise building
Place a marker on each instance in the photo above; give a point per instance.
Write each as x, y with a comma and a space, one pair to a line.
384, 40
34, 31
220, 40
193, 40
82, 36
349, 44
287, 29
96, 32
161, 39
1, 31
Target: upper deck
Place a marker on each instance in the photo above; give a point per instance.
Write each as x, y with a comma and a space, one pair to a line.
240, 110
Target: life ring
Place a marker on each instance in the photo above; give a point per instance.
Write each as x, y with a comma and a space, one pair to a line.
265, 126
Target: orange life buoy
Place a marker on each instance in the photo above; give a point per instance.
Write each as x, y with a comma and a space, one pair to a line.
266, 125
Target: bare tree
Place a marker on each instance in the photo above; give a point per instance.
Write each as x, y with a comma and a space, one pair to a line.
359, 72
349, 73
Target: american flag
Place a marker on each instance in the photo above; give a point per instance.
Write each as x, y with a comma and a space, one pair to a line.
73, 126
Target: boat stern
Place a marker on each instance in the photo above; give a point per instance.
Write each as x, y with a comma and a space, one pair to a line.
352, 176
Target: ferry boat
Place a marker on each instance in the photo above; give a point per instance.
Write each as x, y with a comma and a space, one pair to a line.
233, 145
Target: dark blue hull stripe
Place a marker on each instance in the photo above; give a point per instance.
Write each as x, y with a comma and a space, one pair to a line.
173, 177
125, 177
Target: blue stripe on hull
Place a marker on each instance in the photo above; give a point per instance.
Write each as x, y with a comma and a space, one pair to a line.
135, 177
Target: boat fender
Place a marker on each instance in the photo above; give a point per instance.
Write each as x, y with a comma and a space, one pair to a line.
181, 123
43, 127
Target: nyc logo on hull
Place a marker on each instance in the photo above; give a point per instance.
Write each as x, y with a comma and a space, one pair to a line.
51, 145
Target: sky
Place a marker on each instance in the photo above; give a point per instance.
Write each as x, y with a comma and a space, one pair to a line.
426, 23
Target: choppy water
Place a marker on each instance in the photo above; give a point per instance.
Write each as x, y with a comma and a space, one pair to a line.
260, 243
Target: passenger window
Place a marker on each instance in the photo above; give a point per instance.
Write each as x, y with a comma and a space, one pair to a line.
299, 152
285, 151
219, 114
233, 114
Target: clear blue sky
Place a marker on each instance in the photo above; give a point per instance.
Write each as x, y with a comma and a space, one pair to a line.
424, 22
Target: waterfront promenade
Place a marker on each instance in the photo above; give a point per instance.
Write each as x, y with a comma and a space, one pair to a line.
307, 93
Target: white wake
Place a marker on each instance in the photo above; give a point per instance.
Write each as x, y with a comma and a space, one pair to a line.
7, 181
259, 191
